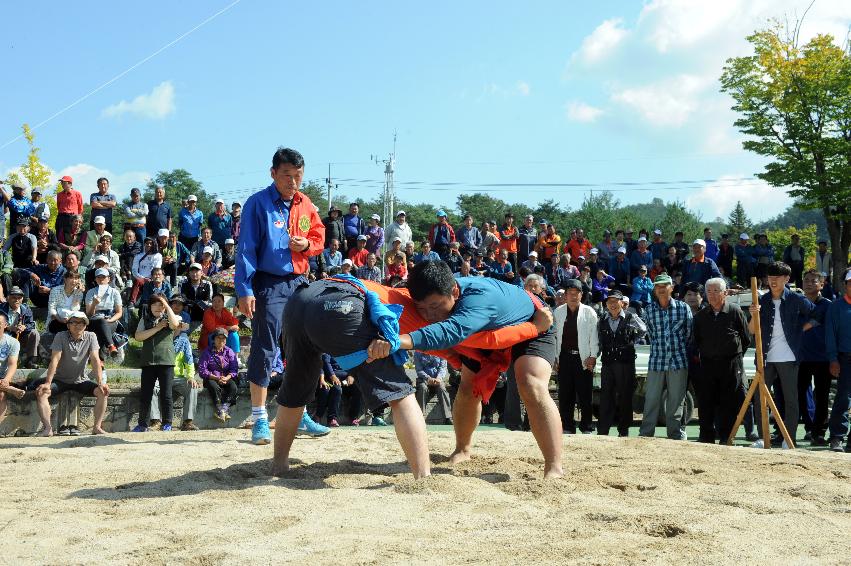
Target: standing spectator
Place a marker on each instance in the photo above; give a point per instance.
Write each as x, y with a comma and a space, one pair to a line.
745, 260
69, 203
838, 341
399, 229
642, 288
159, 212
763, 254
629, 242
198, 292
607, 247
73, 237
282, 230
784, 317
104, 309
658, 248
71, 351
189, 220
640, 256
815, 368
441, 235
618, 331
353, 225
19, 205
236, 220
220, 222
374, 235
711, 245
508, 236
334, 228
143, 266
196, 252
725, 256
489, 239
358, 253
579, 246
824, 260
135, 215
469, 237
21, 326
102, 203
577, 345
6, 271
549, 243
22, 245
218, 368
154, 331
369, 271
721, 338
669, 323
38, 281
793, 256
432, 376
701, 268
527, 238
64, 299
41, 209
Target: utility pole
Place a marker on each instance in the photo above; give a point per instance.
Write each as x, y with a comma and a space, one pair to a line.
329, 186
389, 197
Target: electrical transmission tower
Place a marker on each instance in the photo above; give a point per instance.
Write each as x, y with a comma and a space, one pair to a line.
389, 198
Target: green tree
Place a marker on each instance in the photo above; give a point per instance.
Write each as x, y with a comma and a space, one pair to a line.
794, 103
782, 237
738, 221
34, 173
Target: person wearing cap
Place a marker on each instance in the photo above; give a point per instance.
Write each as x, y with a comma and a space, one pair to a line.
353, 226
454, 259
21, 326
549, 242
93, 237
20, 207
189, 221
577, 348
374, 235
41, 207
334, 229
218, 367
228, 254
143, 266
102, 202
159, 212
642, 288
347, 266
579, 245
658, 247
399, 228
280, 231
38, 281
155, 330
359, 253
104, 309
69, 203
136, 215
618, 330
441, 234
220, 222
113, 259
99, 262
669, 326
701, 268
217, 316
73, 237
621, 270
72, 350
745, 260
794, 256
531, 262
468, 236
198, 292
196, 253
22, 245
640, 256
630, 243
838, 342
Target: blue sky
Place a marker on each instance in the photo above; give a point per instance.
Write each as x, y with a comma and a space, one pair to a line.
479, 92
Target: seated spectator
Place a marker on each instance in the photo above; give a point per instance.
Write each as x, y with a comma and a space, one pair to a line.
532, 262
185, 384
19, 205
208, 266
143, 266
621, 270
502, 269
38, 281
219, 317
587, 283
642, 287
71, 351
45, 237
332, 255
175, 255
71, 262
156, 285
640, 256
359, 253
93, 237
480, 267
453, 258
346, 267
22, 245
9, 349
228, 253
104, 309
218, 368
74, 237
99, 262
426, 253
6, 272
206, 241
329, 392
64, 300
113, 260
198, 292
21, 326
127, 254
155, 330
370, 271
601, 286
432, 377
395, 266
537, 285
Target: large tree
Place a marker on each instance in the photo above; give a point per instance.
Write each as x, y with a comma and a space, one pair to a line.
794, 104
738, 221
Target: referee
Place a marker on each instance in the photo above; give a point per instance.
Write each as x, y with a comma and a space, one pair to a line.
280, 231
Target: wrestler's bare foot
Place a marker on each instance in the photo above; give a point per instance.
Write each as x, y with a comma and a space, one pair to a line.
280, 469
98, 430
48, 431
460, 455
272, 424
553, 471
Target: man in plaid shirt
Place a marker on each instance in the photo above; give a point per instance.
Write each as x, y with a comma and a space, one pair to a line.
669, 327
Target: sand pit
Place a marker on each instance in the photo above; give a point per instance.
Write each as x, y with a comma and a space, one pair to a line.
205, 498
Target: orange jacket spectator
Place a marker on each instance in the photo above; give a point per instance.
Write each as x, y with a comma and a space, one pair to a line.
577, 248
549, 243
213, 320
508, 239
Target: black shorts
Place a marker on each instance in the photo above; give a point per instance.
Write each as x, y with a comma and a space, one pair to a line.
543, 346
330, 317
86, 387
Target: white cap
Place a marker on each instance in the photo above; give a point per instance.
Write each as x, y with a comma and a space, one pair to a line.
642, 239
533, 254
162, 232
101, 271
99, 257
580, 257
347, 262
78, 314
621, 250
594, 251
657, 231
207, 250
397, 239
195, 266
400, 213
100, 220
699, 242
219, 201
229, 241
191, 198
376, 217
744, 236
362, 237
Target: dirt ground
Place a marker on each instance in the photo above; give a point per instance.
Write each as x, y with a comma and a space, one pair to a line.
206, 498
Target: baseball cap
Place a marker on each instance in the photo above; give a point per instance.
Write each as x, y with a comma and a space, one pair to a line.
219, 201
580, 257
100, 257
362, 237
594, 251
100, 271
78, 315
744, 236
642, 267
663, 279
699, 242
16, 291
207, 250
397, 239
194, 266
23, 221
533, 254
229, 241
19, 185
347, 262
68, 179
36, 191
542, 221
162, 232
193, 198
572, 284
629, 231
657, 231
178, 297
218, 332
100, 220
621, 250
615, 294
376, 217
440, 213
642, 239
400, 213
135, 191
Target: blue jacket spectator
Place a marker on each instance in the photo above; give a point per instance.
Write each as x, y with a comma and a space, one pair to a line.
642, 289
220, 223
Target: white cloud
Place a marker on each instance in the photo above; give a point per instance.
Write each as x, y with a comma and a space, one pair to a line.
669, 102
761, 200
602, 41
156, 105
581, 112
523, 88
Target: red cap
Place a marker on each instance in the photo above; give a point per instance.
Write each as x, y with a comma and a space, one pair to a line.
67, 179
